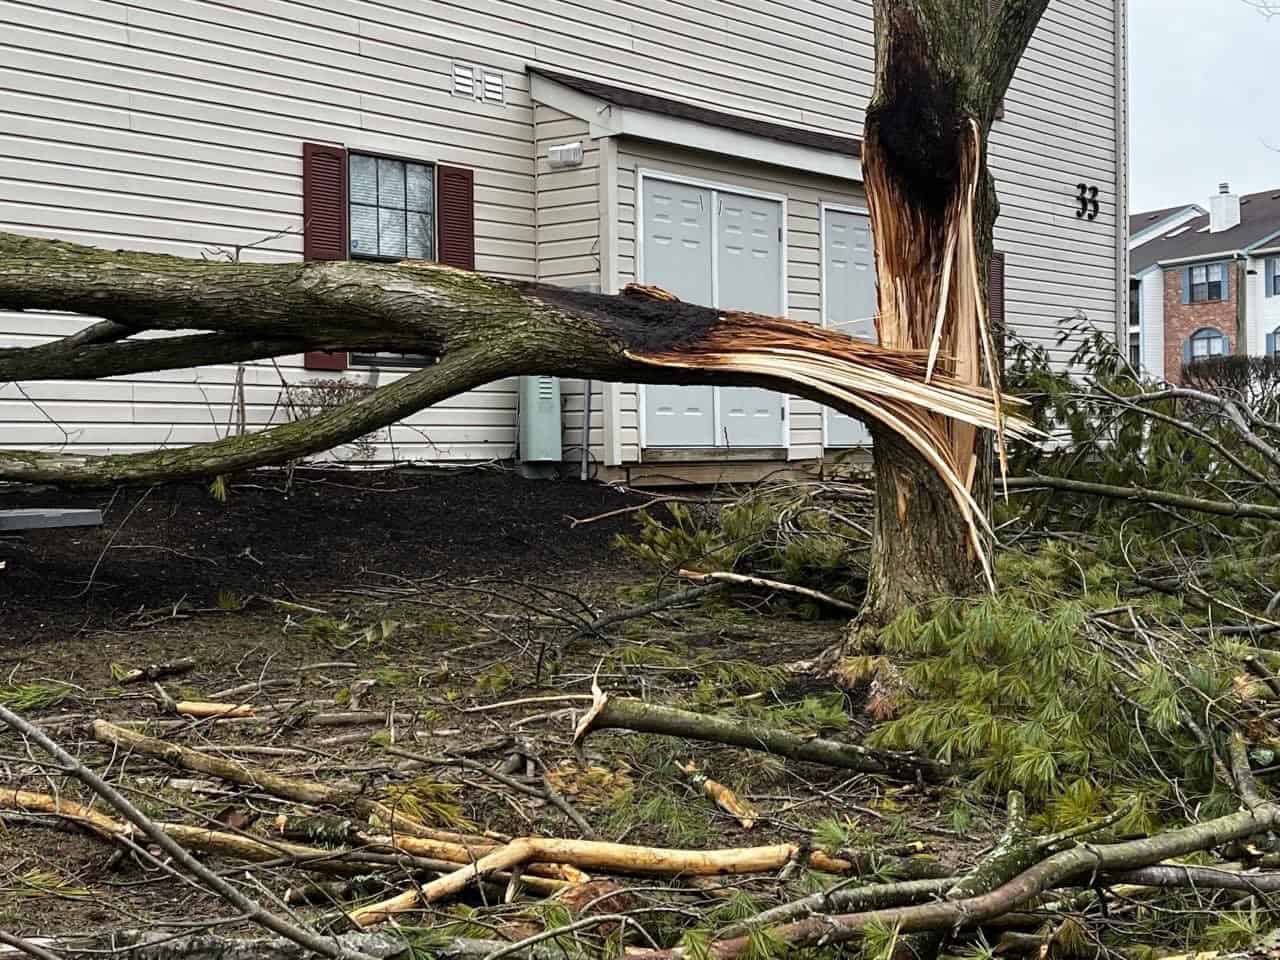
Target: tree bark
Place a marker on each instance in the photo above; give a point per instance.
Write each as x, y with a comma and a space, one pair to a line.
942, 67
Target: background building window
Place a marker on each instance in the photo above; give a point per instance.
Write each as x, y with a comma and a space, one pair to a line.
1135, 349
1206, 283
1207, 343
1273, 277
392, 208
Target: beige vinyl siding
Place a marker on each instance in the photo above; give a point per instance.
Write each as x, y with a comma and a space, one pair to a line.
804, 193
568, 220
177, 127
1060, 129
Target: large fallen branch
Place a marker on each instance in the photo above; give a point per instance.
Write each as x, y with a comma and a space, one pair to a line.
477, 330
1080, 863
624, 714
378, 852
599, 855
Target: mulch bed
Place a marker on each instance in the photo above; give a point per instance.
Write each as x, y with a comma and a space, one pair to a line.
176, 544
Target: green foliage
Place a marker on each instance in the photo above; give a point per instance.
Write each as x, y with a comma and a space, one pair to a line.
1021, 690
37, 695
1104, 437
777, 531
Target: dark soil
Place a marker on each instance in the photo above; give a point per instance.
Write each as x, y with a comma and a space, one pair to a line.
434, 599
176, 544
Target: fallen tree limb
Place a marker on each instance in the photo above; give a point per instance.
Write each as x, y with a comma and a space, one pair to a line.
625, 714
1222, 508
777, 586
1079, 863
250, 909
586, 854
653, 606
302, 791
599, 855
239, 846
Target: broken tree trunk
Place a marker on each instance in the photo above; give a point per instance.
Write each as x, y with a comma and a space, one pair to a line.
942, 68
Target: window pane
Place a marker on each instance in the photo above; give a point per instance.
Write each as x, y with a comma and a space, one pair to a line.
1218, 346
364, 230
390, 183
364, 179
1214, 271
420, 239
1214, 290
391, 233
419, 187
1199, 274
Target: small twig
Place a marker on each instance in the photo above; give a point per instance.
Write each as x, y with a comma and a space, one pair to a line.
27, 947
761, 583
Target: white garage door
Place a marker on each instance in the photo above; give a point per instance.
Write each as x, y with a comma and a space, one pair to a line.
721, 249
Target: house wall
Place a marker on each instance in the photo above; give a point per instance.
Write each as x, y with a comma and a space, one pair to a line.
1181, 320
177, 126
1151, 307
1264, 311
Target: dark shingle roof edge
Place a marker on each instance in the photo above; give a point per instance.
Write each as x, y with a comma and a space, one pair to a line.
683, 110
1259, 224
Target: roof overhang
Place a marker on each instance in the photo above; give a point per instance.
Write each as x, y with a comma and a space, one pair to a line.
607, 119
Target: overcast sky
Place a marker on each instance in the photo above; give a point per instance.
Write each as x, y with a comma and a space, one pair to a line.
1203, 97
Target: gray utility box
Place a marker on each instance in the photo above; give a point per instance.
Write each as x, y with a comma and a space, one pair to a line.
540, 421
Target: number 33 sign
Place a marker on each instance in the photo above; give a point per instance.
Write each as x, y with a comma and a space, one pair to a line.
1087, 197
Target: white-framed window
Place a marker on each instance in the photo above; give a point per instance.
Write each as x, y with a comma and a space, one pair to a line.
392, 208
1273, 276
1207, 282
1207, 342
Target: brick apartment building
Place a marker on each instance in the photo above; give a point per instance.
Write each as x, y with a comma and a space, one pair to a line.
1204, 282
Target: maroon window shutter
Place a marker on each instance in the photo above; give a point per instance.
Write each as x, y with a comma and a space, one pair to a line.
995, 294
455, 210
324, 224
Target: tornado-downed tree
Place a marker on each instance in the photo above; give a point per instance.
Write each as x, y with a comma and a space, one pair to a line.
942, 70
930, 388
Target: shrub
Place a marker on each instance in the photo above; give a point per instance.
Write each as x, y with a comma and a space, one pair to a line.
1253, 380
311, 397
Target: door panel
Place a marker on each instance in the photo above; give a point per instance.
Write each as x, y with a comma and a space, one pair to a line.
677, 257
849, 301
749, 268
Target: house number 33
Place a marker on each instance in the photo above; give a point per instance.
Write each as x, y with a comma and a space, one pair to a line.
1087, 197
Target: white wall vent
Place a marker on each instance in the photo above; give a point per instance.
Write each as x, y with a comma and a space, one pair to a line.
464, 80
491, 86
565, 154
478, 83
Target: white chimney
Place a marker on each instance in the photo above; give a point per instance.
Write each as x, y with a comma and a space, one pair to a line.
1224, 209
